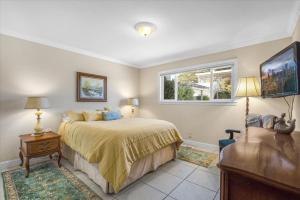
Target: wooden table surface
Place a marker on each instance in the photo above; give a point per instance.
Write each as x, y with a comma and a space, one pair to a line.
267, 157
31, 138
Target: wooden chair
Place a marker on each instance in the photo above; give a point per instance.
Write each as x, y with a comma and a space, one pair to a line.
224, 142
253, 120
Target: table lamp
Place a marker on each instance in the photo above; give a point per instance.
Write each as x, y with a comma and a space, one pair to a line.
37, 103
248, 87
134, 102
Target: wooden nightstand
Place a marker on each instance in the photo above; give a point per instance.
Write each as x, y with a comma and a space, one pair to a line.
37, 146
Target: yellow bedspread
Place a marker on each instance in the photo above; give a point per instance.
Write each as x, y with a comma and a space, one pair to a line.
117, 144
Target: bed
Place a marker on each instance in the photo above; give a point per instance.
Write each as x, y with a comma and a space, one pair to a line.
118, 152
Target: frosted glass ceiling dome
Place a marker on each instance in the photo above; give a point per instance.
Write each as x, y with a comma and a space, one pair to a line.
145, 28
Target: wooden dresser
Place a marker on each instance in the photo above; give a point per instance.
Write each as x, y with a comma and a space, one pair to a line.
261, 165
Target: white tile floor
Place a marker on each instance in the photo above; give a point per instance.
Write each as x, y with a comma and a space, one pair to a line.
176, 180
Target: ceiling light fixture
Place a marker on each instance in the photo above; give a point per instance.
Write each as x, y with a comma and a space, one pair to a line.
145, 28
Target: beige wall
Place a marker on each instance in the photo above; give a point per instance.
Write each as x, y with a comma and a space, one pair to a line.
28, 69
206, 123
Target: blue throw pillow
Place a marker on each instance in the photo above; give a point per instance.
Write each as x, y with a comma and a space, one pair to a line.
107, 116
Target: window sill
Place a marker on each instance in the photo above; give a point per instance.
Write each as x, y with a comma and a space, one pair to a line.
210, 103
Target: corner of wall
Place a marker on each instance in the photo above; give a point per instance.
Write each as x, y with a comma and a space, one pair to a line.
296, 33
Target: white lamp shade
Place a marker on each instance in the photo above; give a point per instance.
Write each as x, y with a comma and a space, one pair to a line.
37, 103
133, 102
248, 87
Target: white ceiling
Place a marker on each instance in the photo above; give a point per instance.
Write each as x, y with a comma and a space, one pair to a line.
105, 28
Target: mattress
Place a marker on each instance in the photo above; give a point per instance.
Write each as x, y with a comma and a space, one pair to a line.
116, 145
141, 167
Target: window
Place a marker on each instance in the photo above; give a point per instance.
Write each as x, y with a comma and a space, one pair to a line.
213, 82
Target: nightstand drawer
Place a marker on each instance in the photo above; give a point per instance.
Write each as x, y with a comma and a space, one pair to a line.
39, 147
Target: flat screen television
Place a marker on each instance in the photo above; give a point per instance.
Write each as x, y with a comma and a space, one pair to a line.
280, 73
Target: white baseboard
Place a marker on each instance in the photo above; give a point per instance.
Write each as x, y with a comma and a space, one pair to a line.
13, 163
9, 163
201, 144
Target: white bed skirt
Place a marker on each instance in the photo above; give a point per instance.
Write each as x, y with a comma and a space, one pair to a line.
139, 168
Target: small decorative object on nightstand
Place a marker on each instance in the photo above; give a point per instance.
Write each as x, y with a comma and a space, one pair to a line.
32, 147
37, 103
282, 127
133, 102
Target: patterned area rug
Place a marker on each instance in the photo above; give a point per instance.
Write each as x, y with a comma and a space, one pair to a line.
45, 181
196, 156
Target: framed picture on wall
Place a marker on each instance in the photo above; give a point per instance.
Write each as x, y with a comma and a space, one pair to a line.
91, 87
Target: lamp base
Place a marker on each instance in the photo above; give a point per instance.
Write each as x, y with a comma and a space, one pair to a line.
38, 130
247, 111
37, 134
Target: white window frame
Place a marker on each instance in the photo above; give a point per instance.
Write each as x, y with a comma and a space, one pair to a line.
232, 62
